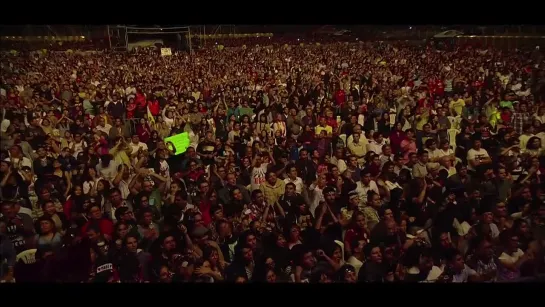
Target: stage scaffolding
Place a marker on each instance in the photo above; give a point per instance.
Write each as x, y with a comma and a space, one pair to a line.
120, 36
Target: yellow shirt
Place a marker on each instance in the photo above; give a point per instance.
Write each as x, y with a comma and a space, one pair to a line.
422, 121
328, 129
457, 105
358, 149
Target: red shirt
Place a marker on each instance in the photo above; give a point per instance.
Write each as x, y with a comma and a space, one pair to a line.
352, 234
477, 84
332, 121
130, 110
340, 97
204, 207
154, 107
431, 86
106, 227
439, 87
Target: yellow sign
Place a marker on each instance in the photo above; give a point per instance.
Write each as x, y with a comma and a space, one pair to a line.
178, 143
166, 52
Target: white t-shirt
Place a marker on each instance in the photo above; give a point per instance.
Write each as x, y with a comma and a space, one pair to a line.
106, 128
316, 196
353, 261
443, 153
109, 172
473, 154
464, 275
78, 147
434, 154
258, 175
124, 187
135, 147
362, 191
87, 185
505, 274
15, 162
298, 184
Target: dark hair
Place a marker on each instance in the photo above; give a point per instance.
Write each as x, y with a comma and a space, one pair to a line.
299, 252
255, 192
214, 208
451, 253
364, 172
291, 184
530, 141
50, 220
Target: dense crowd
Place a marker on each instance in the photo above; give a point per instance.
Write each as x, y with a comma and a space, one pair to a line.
307, 163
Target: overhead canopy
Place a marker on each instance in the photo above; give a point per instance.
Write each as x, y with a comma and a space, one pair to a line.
449, 33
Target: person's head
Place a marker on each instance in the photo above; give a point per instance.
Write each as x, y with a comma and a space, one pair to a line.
146, 216
373, 199
93, 233
180, 199
231, 179
210, 254
431, 144
423, 156
244, 253
204, 187
236, 194
115, 196
131, 243
391, 227
500, 209
42, 153
290, 189
410, 134
373, 253
168, 243
461, 169
455, 260
147, 186
534, 143
378, 137
365, 175
165, 276
94, 212
49, 208
47, 225
444, 240
477, 144
224, 229
257, 197
45, 194
330, 195
521, 228
388, 214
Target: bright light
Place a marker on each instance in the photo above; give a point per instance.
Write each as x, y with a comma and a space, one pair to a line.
216, 43
410, 28
297, 39
82, 37
357, 39
269, 37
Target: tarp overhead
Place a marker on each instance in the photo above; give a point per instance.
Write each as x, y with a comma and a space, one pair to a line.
449, 33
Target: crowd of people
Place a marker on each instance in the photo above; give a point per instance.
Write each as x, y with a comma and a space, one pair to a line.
312, 163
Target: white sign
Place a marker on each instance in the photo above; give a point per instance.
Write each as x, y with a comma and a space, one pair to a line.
166, 51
